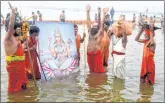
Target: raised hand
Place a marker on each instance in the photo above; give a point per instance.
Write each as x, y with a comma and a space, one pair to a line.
99, 10
105, 10
10, 5
88, 8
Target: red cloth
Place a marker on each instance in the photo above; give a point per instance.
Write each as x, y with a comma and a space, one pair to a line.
118, 53
32, 42
148, 66
16, 72
95, 62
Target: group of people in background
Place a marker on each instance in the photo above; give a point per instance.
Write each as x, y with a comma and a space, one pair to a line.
34, 17
19, 18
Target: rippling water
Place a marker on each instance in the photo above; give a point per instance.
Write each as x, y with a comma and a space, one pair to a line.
84, 86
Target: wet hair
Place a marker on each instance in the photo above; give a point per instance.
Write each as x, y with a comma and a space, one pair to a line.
17, 25
75, 26
34, 29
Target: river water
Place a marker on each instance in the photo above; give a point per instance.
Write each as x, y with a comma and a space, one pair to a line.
84, 86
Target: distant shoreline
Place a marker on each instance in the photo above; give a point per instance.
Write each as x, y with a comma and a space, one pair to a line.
80, 21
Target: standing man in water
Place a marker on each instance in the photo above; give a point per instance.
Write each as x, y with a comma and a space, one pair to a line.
34, 17
39, 15
94, 56
105, 40
134, 21
148, 65
32, 43
112, 12
62, 16
119, 48
14, 57
79, 40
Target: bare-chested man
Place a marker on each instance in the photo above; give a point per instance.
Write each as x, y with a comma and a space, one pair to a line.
94, 55
79, 40
14, 56
105, 40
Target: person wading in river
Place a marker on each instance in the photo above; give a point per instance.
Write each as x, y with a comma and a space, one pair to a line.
79, 40
14, 57
94, 56
148, 65
105, 40
32, 43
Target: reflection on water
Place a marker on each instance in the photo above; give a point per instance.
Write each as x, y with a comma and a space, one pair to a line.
146, 91
96, 91
117, 87
28, 95
100, 89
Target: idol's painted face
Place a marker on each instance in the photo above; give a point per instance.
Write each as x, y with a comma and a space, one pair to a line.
58, 39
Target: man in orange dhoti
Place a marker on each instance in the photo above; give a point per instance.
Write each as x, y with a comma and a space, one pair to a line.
78, 40
148, 66
94, 55
105, 41
14, 57
32, 43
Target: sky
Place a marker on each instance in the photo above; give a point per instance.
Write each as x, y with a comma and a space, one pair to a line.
139, 6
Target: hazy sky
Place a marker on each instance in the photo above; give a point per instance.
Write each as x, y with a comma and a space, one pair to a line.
139, 6
154, 6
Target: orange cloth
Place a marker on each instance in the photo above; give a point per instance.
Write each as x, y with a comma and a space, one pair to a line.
148, 66
32, 42
78, 42
95, 62
147, 32
16, 72
104, 44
